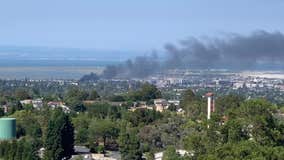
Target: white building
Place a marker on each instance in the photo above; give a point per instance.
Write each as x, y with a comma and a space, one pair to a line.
175, 102
26, 101
37, 103
159, 155
238, 85
55, 104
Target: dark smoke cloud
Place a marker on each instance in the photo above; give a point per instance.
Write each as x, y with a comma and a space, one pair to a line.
235, 51
141, 66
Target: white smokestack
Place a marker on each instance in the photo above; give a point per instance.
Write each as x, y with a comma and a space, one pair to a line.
210, 104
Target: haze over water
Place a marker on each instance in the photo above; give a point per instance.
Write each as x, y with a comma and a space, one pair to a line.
49, 69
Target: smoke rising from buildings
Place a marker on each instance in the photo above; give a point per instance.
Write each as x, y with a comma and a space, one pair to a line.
234, 51
141, 66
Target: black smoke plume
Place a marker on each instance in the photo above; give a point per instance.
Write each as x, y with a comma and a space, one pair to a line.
140, 67
260, 49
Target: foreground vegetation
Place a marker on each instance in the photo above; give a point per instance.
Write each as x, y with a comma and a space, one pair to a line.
239, 129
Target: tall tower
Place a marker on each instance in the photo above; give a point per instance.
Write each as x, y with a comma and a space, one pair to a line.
210, 104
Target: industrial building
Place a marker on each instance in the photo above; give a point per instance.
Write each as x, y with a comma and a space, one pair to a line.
7, 128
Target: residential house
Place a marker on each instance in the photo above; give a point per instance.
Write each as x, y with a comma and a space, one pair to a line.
161, 104
59, 104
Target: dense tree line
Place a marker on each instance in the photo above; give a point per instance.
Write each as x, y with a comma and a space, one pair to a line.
51, 129
23, 149
239, 129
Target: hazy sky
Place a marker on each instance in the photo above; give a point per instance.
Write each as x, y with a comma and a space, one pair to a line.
131, 24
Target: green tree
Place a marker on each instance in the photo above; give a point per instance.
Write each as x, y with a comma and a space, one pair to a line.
227, 102
31, 147
129, 145
105, 110
188, 96
77, 106
142, 116
24, 125
2, 112
59, 141
150, 156
192, 104
19, 106
234, 131
101, 129
121, 98
172, 108
81, 125
93, 95
20, 150
171, 154
196, 142
21, 94
13, 150
151, 136
258, 121
146, 93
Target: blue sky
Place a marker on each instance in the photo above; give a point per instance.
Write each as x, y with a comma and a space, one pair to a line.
129, 24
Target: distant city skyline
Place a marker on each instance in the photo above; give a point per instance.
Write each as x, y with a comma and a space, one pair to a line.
131, 25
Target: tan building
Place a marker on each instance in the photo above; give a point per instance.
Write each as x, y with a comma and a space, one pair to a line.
140, 105
161, 104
